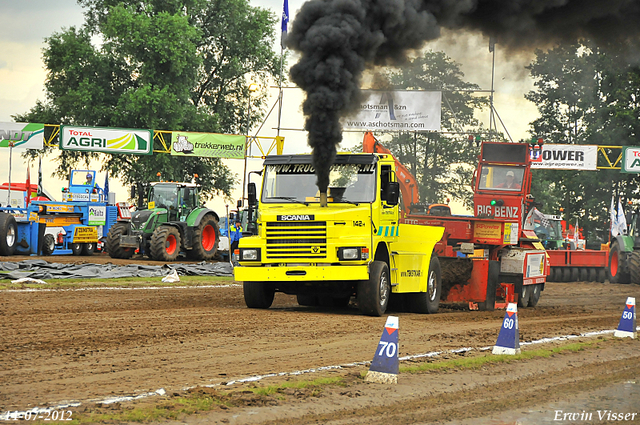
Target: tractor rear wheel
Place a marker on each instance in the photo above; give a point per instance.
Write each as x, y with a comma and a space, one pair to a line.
205, 239
618, 266
8, 233
113, 241
633, 260
165, 243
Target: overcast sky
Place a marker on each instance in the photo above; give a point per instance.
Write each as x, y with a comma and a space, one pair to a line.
27, 23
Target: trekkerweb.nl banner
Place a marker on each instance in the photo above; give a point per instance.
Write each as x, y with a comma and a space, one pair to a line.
211, 145
397, 110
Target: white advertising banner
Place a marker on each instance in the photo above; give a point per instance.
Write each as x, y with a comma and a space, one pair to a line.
109, 140
21, 135
565, 157
397, 111
630, 160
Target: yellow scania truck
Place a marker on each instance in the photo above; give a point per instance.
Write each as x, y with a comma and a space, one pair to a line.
327, 247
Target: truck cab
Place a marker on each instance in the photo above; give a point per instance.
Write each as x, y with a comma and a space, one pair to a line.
355, 245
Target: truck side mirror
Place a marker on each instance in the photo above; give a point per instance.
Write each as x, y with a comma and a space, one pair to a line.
251, 194
393, 193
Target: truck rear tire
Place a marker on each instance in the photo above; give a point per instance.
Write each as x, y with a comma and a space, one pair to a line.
618, 266
8, 234
258, 294
165, 243
633, 259
429, 301
48, 244
88, 248
113, 241
205, 239
373, 294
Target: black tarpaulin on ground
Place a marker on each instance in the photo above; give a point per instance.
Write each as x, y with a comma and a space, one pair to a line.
40, 269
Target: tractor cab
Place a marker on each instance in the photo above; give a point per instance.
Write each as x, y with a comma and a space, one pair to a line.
83, 187
179, 199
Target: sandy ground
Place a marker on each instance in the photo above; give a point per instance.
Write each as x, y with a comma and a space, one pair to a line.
88, 345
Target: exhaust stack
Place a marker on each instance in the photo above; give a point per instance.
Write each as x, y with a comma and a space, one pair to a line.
323, 199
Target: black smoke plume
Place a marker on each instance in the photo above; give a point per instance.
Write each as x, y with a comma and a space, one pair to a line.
338, 39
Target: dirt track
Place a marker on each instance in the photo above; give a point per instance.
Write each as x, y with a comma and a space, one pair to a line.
85, 345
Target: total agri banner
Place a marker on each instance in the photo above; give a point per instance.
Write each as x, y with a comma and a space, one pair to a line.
565, 157
397, 110
108, 140
184, 143
23, 135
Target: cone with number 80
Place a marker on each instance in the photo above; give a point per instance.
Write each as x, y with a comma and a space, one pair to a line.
385, 365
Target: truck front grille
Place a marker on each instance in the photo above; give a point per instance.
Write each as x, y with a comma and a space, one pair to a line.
296, 239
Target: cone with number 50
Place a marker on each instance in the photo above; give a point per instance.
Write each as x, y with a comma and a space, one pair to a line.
627, 325
509, 337
385, 365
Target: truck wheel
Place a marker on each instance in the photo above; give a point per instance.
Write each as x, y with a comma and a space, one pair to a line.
76, 248
428, 302
308, 300
633, 259
205, 239
534, 296
8, 234
165, 243
258, 294
88, 248
525, 295
48, 244
113, 241
618, 266
373, 294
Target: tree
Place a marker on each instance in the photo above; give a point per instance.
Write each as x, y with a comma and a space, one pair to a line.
160, 64
585, 95
442, 162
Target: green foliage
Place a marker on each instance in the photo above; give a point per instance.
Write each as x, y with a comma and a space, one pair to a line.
585, 96
163, 65
443, 162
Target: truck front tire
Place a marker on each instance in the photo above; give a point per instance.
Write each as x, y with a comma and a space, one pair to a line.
373, 294
429, 301
258, 294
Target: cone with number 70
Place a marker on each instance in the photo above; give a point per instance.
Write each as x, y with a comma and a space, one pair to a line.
509, 336
627, 325
385, 365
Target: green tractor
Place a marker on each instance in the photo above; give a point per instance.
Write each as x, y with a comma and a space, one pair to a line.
173, 221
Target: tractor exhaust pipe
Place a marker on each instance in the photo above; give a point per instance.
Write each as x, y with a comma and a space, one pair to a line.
323, 199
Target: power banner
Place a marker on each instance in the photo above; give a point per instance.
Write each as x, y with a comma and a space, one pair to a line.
211, 145
630, 160
22, 135
108, 140
397, 110
565, 157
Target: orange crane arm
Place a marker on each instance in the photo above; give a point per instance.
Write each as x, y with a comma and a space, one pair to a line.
408, 183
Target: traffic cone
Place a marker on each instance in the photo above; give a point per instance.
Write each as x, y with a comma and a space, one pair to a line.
509, 337
385, 365
627, 325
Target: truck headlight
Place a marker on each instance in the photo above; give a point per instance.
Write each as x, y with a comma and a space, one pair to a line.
249, 254
348, 254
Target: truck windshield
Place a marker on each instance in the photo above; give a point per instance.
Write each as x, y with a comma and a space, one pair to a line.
498, 177
349, 183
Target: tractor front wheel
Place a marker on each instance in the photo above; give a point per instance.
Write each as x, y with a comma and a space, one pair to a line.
618, 266
113, 241
165, 243
633, 260
205, 239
